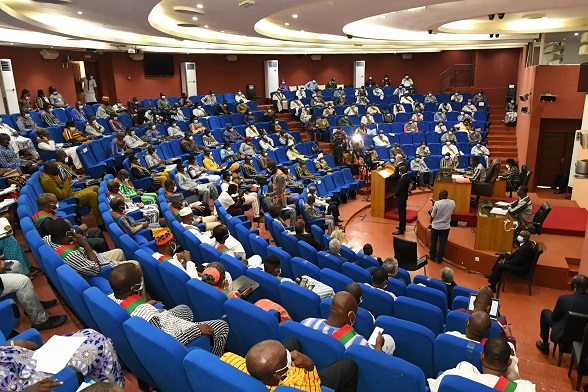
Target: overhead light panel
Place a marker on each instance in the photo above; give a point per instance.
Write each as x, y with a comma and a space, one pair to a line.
295, 16
246, 3
80, 12
416, 9
199, 6
194, 18
288, 24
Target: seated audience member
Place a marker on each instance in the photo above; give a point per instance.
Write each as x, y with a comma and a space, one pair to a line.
209, 162
56, 99
456, 97
132, 140
421, 170
61, 188
10, 160
195, 125
177, 113
522, 209
339, 325
18, 142
227, 155
381, 140
513, 176
230, 135
477, 327
167, 251
48, 118
119, 108
276, 364
447, 278
335, 250
45, 143
77, 253
242, 106
227, 244
340, 235
302, 171
269, 116
380, 281
423, 150
114, 124
139, 171
556, 319
186, 183
411, 127
163, 105
448, 161
286, 139
231, 201
302, 235
517, 263
190, 222
251, 172
173, 131
199, 172
93, 129
241, 97
105, 110
139, 119
208, 139
74, 136
150, 211
198, 112
417, 117
13, 281
128, 190
510, 117
48, 203
391, 266
188, 144
496, 360
247, 148
223, 109
126, 223
266, 144
216, 275
134, 106
483, 303
440, 127
95, 358
313, 213
126, 281
264, 160
177, 202
118, 147
321, 164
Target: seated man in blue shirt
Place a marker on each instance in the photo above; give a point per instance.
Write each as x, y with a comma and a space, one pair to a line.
10, 160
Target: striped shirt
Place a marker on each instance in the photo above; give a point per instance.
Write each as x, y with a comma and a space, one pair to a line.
77, 258
522, 209
295, 377
321, 326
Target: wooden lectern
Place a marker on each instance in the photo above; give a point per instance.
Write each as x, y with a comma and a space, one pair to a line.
458, 192
383, 190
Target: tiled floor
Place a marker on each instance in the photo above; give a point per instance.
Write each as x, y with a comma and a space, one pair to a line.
522, 310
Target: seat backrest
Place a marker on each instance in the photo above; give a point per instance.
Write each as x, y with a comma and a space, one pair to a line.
250, 324
538, 251
378, 302
493, 171
355, 272
431, 282
314, 344
153, 282
160, 353
405, 252
52, 261
414, 343
429, 295
451, 383
335, 279
456, 321
258, 244
460, 302
74, 286
300, 302
289, 243
285, 258
206, 372
208, 301
110, 317
461, 291
366, 261
573, 331
307, 252
193, 244
326, 260
419, 312
450, 350
175, 281
378, 371
302, 267
268, 284
396, 286
541, 215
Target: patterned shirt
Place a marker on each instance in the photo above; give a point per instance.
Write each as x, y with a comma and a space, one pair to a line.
77, 258
321, 326
8, 158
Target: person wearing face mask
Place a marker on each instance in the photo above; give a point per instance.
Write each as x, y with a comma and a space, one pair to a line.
56, 99
251, 130
132, 140
210, 99
440, 116
479, 174
119, 108
275, 126
448, 162
513, 176
198, 112
134, 106
517, 263
457, 97
230, 135
340, 322
177, 113
126, 223
469, 107
48, 118
227, 244
127, 189
105, 110
430, 98
93, 128
440, 127
411, 127
480, 150
156, 167
223, 109
510, 118
25, 123
114, 124
280, 101
422, 171
417, 116
89, 87
163, 105
380, 281
168, 250
191, 222
186, 183
407, 99
79, 113
450, 148
423, 150
247, 148
149, 211
18, 142
126, 282
445, 107
24, 103
10, 160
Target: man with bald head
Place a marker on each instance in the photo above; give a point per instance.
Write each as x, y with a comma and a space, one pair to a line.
477, 328
339, 325
517, 263
275, 364
556, 319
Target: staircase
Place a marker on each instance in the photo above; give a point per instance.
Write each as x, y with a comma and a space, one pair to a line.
502, 140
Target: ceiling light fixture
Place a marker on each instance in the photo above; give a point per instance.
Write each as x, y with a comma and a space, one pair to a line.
295, 16
416, 9
222, 31
383, 17
199, 6
288, 24
194, 18
205, 26
576, 34
80, 12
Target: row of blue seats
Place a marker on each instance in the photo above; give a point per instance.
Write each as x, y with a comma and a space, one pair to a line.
397, 128
401, 117
388, 91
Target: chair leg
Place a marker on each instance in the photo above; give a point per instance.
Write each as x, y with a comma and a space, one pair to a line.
579, 382
572, 361
560, 358
530, 294
554, 347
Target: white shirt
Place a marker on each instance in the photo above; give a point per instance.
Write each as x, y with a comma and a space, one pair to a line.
241, 97
482, 150
266, 144
381, 141
190, 266
350, 111
451, 149
225, 199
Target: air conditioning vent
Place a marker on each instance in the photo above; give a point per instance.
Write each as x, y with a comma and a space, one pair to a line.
188, 10
272, 63
360, 63
5, 66
190, 66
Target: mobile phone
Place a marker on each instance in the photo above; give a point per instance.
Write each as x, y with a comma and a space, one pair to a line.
8, 264
374, 336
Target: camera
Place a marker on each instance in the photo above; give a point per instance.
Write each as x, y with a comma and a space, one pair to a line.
491, 16
349, 36
430, 31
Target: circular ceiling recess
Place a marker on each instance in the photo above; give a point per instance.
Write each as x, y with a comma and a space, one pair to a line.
188, 10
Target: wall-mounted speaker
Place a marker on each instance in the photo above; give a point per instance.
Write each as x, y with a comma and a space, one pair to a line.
137, 56
231, 57
49, 54
547, 97
407, 56
316, 57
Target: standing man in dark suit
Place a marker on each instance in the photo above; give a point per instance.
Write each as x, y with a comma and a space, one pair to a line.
556, 320
517, 263
402, 185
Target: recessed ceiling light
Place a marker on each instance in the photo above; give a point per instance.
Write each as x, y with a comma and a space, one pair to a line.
222, 31
295, 16
199, 6
205, 26
194, 18
288, 24
302, 31
80, 12
383, 16
576, 34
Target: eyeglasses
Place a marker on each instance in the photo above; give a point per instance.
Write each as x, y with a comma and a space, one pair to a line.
288, 363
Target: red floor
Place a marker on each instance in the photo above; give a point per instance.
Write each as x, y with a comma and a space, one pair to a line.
522, 310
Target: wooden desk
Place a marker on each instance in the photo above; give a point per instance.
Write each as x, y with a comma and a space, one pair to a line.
383, 190
499, 189
460, 193
490, 233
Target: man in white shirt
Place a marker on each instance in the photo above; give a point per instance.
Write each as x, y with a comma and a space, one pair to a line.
351, 111
198, 111
227, 244
440, 127
450, 148
240, 97
407, 99
441, 214
251, 130
380, 281
132, 140
457, 97
407, 82
495, 360
18, 142
209, 99
381, 140
421, 170
280, 101
469, 107
445, 107
367, 119
482, 150
191, 222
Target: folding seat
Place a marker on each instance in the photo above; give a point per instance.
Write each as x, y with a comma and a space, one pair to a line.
206, 372
141, 183
349, 180
480, 116
414, 343
73, 287
93, 167
383, 153
456, 106
431, 282
237, 119
366, 261
110, 317
429, 295
322, 351
450, 350
462, 291
452, 116
405, 139
242, 235
300, 302
161, 354
441, 98
36, 117
417, 138
462, 137
460, 302
100, 154
336, 280
354, 120
451, 383
456, 321
301, 267
435, 148
326, 240
268, 285
419, 312
307, 252
281, 157
233, 266
52, 261
326, 260
377, 371
431, 107
378, 302
356, 273
317, 232
433, 163
408, 150
249, 324
153, 281
208, 301
259, 245
175, 282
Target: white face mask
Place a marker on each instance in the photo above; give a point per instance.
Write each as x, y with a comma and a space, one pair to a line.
175, 188
520, 238
163, 97
448, 143
27, 115
140, 288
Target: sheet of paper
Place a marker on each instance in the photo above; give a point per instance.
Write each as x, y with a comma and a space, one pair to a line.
54, 355
456, 176
502, 204
84, 386
498, 211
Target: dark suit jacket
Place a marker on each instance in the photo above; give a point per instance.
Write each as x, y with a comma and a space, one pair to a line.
308, 238
397, 171
576, 302
522, 257
402, 185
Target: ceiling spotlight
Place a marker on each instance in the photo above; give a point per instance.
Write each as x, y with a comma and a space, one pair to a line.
491, 35
194, 18
430, 31
576, 34
205, 26
295, 16
497, 35
501, 15
199, 6
80, 12
383, 17
302, 31
286, 24
349, 36
491, 16
222, 31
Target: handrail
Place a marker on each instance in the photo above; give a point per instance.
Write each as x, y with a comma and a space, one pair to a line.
458, 75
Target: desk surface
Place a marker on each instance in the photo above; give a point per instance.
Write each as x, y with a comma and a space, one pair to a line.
491, 229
